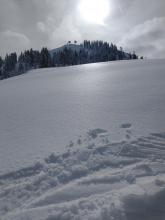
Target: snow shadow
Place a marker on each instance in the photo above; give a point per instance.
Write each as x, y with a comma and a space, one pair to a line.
145, 207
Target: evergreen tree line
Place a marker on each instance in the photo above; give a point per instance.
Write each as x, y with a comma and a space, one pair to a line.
91, 52
14, 65
88, 52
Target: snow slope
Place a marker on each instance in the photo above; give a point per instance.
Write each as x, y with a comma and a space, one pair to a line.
84, 142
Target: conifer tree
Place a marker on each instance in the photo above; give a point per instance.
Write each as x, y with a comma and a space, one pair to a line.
45, 59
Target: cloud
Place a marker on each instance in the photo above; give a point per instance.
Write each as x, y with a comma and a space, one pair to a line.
16, 36
14, 41
147, 38
66, 28
41, 26
51, 23
35, 19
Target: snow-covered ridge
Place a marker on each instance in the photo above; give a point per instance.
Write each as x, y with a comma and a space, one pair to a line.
67, 55
77, 48
74, 47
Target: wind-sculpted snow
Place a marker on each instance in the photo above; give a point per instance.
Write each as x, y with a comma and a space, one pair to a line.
93, 179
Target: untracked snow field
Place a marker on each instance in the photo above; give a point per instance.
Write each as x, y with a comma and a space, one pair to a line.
84, 143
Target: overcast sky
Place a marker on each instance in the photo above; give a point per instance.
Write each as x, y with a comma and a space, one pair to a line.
136, 25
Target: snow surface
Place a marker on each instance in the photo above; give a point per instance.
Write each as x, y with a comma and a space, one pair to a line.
84, 143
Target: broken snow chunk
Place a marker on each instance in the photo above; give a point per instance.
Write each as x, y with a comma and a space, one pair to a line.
159, 182
94, 133
52, 158
126, 125
131, 179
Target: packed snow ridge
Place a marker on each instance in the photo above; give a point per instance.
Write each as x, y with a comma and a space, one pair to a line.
92, 179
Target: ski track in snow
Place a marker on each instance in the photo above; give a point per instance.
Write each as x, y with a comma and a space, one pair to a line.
92, 179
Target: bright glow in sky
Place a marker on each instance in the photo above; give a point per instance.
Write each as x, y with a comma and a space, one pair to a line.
94, 11
53, 22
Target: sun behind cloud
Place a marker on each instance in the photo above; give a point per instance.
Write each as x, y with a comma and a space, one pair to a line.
94, 11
